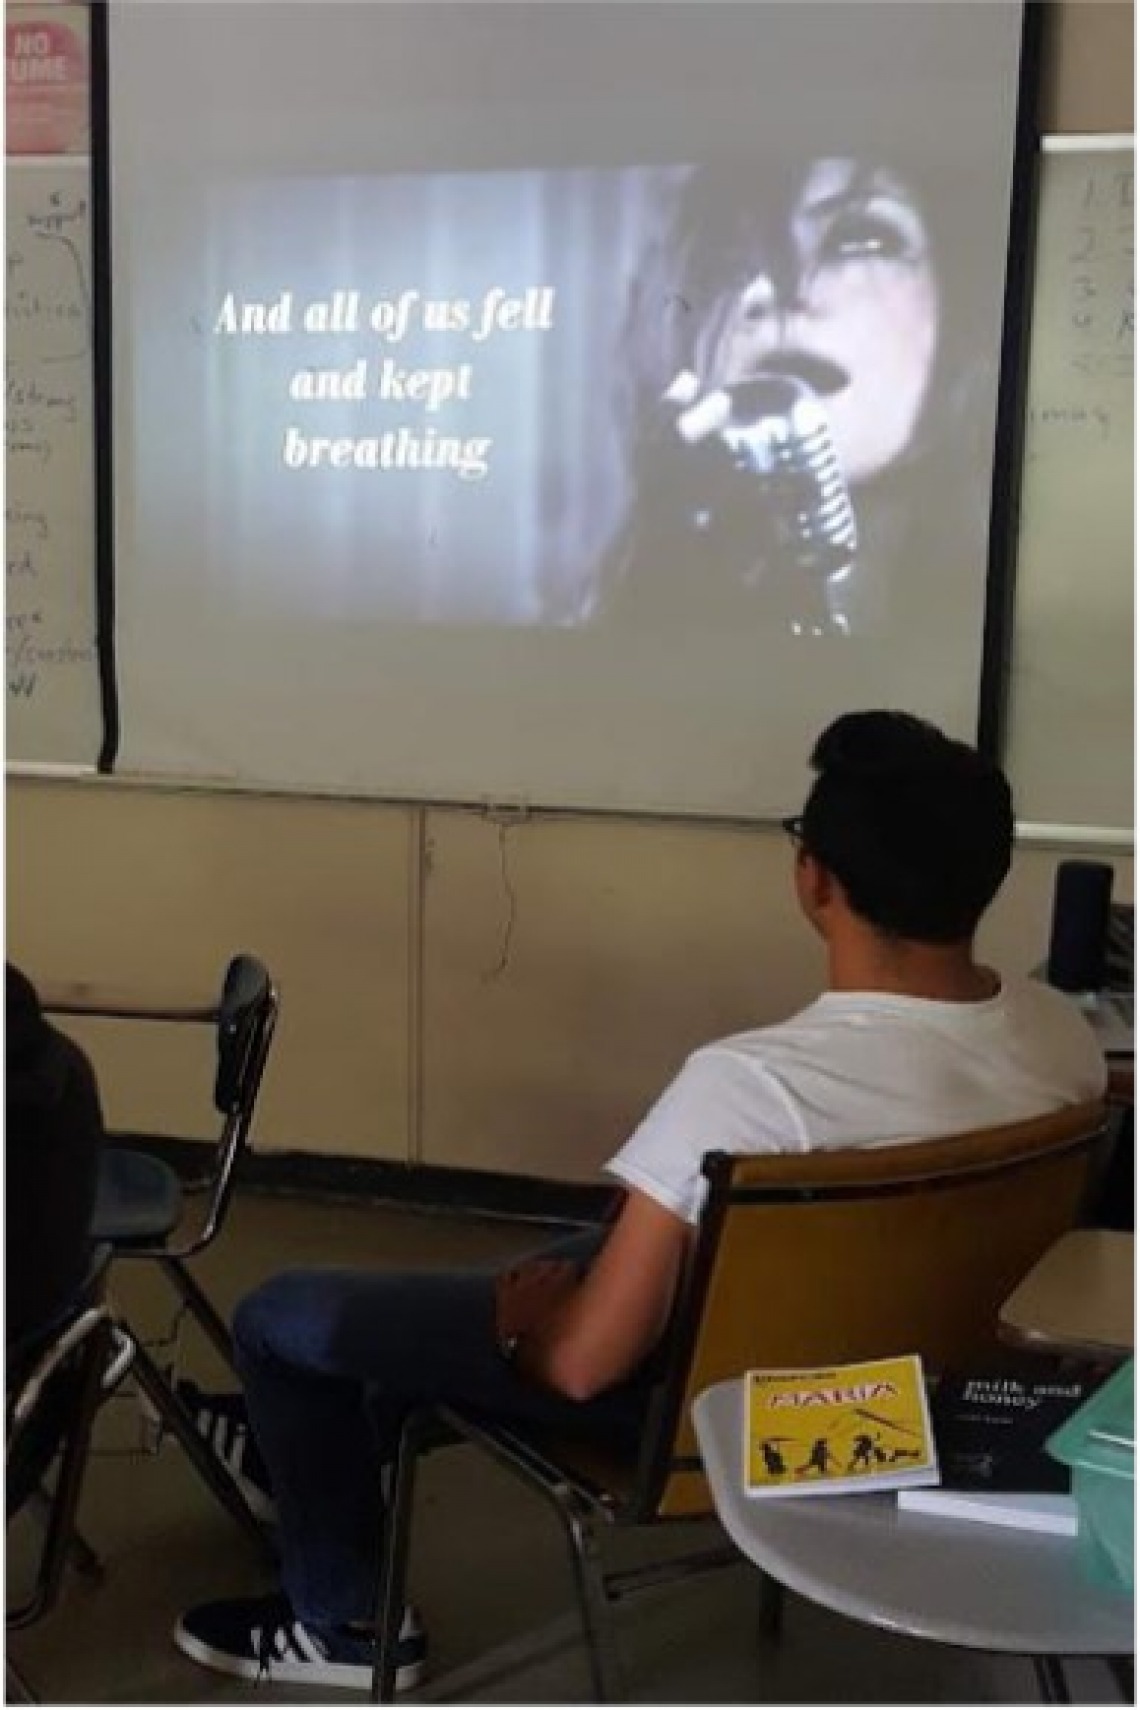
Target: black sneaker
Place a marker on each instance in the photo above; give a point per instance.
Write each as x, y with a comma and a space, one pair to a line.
260, 1638
223, 1422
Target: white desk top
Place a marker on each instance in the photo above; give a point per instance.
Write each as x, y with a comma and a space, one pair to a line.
951, 1581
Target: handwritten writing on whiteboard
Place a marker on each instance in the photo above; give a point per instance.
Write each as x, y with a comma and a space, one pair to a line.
1070, 748
52, 681
1084, 344
1100, 301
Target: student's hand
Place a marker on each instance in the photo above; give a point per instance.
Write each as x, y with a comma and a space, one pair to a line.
530, 1292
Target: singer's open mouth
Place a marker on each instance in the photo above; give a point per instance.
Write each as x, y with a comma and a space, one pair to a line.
822, 375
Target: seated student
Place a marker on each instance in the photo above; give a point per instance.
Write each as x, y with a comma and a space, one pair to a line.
903, 842
53, 1136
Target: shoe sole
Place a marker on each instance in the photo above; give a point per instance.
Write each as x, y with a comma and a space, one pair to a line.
353, 1676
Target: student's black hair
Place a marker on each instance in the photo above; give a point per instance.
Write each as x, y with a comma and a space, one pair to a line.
916, 827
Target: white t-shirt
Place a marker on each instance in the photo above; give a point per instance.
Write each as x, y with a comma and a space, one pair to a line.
863, 1069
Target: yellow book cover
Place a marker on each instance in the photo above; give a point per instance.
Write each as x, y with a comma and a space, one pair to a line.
830, 1429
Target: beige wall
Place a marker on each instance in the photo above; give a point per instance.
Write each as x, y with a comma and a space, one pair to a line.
455, 992
1088, 73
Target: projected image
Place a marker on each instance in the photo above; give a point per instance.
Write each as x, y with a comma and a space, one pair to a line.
592, 398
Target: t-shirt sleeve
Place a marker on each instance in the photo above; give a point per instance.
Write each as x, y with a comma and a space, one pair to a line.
716, 1104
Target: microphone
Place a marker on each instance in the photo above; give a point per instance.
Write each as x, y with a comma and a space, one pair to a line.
800, 519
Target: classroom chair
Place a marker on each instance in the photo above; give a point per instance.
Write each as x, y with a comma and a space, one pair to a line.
798, 1260
141, 1202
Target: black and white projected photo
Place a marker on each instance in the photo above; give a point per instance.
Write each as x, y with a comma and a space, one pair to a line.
590, 397
619, 338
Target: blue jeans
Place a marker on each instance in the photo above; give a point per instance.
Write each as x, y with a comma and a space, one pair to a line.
333, 1360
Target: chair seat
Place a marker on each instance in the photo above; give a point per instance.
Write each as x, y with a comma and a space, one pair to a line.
139, 1198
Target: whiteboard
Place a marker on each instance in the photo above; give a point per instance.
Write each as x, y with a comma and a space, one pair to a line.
53, 700
1070, 716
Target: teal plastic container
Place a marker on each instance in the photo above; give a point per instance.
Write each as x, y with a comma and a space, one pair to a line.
1099, 1443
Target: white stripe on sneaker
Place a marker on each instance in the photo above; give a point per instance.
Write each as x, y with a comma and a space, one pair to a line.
306, 1645
227, 1433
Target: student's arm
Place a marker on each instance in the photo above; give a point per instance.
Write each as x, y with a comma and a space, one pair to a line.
594, 1332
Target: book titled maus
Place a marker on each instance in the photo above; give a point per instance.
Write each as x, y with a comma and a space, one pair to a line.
828, 1429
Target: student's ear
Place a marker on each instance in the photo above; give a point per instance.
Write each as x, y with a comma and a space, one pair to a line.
815, 886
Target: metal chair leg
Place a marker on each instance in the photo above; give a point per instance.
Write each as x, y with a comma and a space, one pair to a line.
577, 1517
1051, 1682
177, 1419
631, 1580
771, 1608
84, 1559
389, 1611
202, 1307
1123, 1672
16, 1688
69, 1486
87, 1562
605, 1669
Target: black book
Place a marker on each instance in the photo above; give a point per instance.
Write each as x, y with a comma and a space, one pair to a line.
990, 1431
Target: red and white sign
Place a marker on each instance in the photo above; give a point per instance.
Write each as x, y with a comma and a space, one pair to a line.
48, 89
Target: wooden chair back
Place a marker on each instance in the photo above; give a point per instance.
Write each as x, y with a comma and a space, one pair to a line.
828, 1256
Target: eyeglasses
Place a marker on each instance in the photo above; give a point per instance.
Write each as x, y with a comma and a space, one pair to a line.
794, 826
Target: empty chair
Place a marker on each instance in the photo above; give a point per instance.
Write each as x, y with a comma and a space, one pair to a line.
141, 1205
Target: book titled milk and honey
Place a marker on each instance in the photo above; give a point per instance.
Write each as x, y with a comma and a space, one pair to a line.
833, 1429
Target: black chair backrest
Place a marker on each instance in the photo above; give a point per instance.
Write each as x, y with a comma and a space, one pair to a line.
246, 993
246, 1017
243, 1019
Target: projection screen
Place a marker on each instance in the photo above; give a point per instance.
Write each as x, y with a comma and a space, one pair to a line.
567, 404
